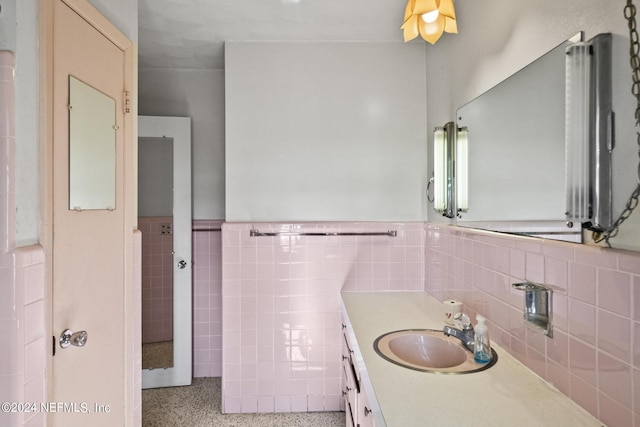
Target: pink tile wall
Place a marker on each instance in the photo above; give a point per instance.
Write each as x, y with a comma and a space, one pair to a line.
281, 312
594, 356
157, 280
12, 353
29, 274
22, 319
22, 309
22, 357
157, 275
207, 298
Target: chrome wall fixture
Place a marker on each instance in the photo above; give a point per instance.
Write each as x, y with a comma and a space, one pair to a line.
589, 136
258, 233
537, 305
449, 170
443, 158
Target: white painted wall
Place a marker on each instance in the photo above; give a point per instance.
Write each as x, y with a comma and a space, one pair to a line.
198, 94
7, 25
498, 37
155, 177
27, 123
122, 13
18, 33
322, 131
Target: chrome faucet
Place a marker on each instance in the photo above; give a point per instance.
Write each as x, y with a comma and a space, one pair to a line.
466, 334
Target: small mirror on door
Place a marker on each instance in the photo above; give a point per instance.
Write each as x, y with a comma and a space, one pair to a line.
92, 148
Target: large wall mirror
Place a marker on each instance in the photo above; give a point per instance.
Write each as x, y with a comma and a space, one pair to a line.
516, 152
516, 169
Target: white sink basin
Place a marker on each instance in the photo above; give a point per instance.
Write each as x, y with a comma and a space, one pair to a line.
428, 350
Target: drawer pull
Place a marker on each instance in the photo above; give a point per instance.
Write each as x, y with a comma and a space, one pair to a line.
367, 411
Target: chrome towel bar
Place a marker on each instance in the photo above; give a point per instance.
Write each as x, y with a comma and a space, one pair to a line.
257, 233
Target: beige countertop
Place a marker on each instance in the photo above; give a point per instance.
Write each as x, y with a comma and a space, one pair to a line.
507, 394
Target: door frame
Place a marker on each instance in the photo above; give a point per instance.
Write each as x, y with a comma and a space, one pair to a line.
131, 382
178, 128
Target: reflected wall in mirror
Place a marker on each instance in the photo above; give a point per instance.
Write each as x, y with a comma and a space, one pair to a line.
155, 220
164, 195
517, 152
92, 148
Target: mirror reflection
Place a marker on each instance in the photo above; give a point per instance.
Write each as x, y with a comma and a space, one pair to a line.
155, 220
92, 148
517, 153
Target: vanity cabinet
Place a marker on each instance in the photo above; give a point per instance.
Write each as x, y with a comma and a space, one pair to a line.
365, 414
358, 410
412, 398
350, 383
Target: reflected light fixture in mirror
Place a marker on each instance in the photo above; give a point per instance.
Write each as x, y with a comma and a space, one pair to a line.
429, 19
462, 170
439, 169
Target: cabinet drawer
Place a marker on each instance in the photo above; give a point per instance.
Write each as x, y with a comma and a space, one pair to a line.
364, 413
350, 393
348, 415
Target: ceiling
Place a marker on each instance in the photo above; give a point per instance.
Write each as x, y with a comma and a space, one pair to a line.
191, 33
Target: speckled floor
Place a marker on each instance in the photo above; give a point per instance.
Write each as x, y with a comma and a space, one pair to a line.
157, 355
198, 405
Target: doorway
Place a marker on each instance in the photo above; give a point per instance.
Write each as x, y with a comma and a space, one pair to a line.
87, 72
164, 217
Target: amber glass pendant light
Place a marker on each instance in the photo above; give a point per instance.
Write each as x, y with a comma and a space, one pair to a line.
429, 19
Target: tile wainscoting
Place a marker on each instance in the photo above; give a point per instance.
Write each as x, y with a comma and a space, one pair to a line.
23, 357
22, 281
207, 298
594, 355
157, 290
157, 278
281, 307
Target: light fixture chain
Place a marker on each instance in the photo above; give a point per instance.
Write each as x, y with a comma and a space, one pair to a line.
634, 59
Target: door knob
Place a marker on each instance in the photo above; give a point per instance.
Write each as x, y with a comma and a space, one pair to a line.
182, 264
78, 339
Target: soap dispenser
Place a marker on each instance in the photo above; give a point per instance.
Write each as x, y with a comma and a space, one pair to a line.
482, 347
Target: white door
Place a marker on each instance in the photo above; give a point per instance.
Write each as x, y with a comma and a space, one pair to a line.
92, 223
179, 130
